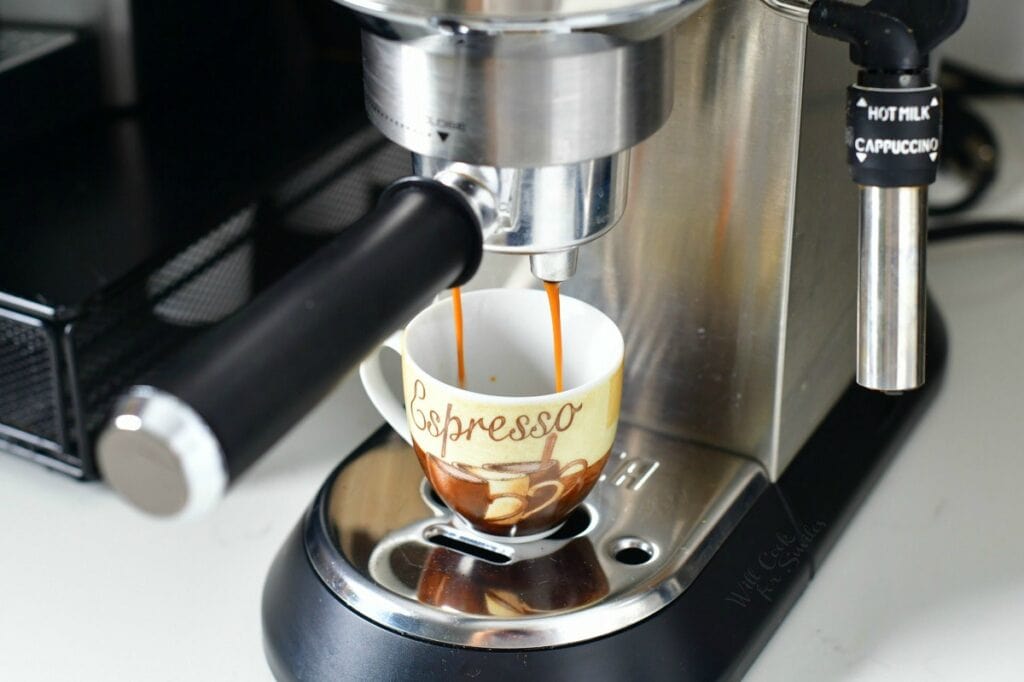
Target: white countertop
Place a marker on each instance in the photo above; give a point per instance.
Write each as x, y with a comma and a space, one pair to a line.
91, 590
927, 582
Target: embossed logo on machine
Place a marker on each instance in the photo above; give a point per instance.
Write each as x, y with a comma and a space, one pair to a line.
632, 472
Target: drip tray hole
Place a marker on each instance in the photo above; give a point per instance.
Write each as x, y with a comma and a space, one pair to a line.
427, 491
438, 535
577, 524
436, 498
632, 551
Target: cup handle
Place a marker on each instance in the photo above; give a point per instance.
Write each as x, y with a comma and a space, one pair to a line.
391, 406
514, 515
559, 489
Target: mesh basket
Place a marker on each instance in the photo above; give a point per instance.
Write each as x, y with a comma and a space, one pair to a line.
30, 382
59, 379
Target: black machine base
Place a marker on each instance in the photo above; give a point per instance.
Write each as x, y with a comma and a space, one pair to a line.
713, 631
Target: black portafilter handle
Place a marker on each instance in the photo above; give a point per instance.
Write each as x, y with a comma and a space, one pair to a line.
173, 445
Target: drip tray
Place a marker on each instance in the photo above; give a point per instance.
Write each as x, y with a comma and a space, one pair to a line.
389, 548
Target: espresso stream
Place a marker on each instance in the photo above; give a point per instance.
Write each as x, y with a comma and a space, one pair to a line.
556, 333
459, 344
556, 330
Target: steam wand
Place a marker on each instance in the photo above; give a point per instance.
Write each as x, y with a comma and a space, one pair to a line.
894, 126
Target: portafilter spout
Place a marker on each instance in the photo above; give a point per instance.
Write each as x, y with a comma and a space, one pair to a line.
544, 212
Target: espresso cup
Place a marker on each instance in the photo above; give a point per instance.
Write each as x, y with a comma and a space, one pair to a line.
509, 457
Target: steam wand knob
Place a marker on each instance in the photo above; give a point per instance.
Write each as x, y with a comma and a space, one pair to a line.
894, 128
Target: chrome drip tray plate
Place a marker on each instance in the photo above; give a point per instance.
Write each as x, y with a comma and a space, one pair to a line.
382, 541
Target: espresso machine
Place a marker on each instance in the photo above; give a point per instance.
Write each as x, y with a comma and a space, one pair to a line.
775, 318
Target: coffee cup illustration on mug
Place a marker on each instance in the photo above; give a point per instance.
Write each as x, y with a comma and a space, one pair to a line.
509, 457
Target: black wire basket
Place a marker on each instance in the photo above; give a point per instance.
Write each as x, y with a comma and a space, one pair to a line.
60, 373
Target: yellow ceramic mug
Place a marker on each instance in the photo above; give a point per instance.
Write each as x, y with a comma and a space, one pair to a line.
506, 454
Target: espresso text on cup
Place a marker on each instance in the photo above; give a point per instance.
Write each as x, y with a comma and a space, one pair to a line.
454, 427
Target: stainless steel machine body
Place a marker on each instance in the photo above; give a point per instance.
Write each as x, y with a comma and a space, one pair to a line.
733, 271
732, 275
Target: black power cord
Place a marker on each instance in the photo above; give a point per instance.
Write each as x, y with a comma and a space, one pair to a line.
967, 82
978, 229
970, 150
969, 145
